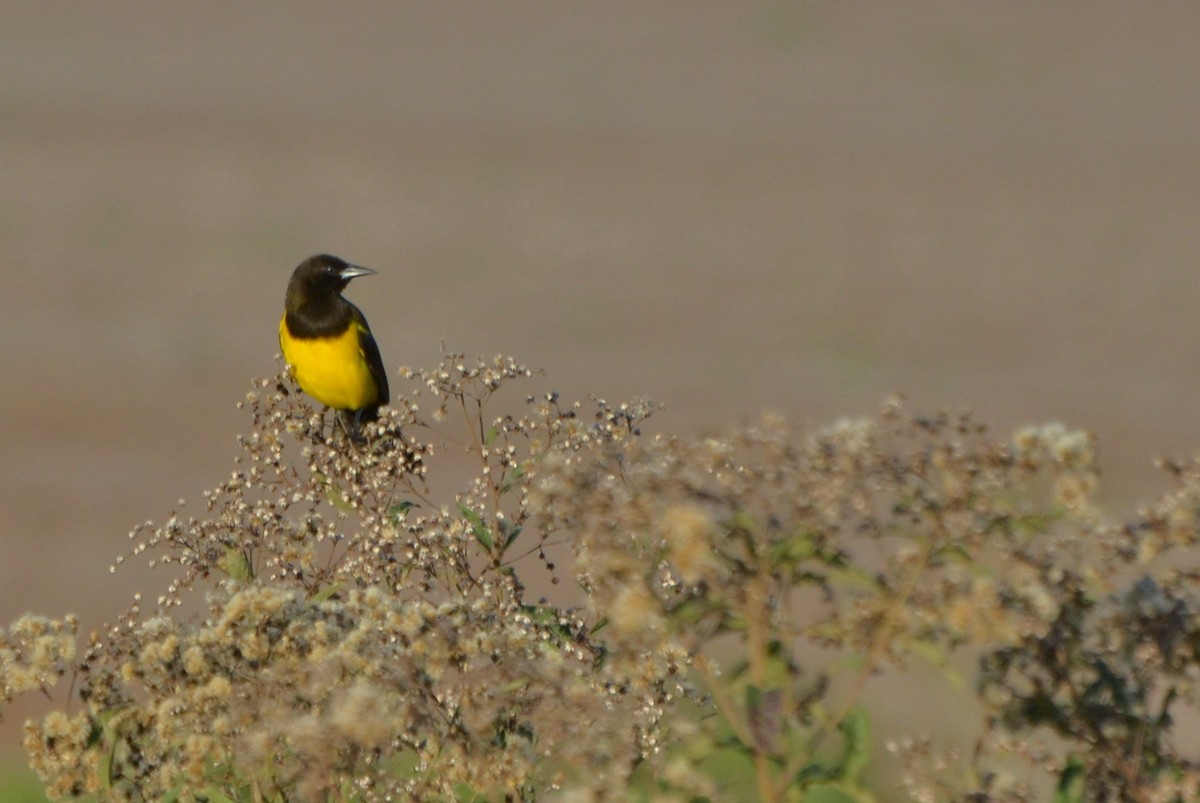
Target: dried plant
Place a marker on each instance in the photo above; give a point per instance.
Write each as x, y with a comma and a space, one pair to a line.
370, 632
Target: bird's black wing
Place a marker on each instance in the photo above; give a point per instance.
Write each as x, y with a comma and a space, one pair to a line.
370, 352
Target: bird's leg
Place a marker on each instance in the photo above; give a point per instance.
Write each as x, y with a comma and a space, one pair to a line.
350, 422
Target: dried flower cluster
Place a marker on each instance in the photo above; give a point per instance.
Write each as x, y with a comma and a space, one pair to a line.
367, 635
370, 633
821, 563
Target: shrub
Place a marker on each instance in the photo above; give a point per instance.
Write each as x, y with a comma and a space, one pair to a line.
375, 629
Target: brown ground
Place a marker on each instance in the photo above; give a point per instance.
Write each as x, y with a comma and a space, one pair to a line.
794, 206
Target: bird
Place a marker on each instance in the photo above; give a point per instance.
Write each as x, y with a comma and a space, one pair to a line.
327, 344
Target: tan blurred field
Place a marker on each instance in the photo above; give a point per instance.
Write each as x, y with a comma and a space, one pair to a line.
730, 207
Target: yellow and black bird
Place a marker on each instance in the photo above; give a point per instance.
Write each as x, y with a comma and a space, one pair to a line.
327, 344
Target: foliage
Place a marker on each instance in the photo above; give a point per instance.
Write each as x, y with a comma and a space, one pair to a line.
370, 632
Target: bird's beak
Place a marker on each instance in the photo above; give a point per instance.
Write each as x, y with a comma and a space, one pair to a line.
351, 271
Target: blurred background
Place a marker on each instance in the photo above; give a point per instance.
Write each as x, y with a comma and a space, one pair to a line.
798, 207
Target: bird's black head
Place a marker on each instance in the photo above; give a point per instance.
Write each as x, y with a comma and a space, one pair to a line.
325, 273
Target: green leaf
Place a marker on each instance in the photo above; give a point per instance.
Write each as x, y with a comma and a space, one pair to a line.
514, 475
733, 621
326, 593
954, 552
480, 530
399, 511
778, 669
837, 793
337, 497
235, 564
857, 578
510, 531
96, 732
1070, 782
732, 768
936, 655
793, 549
541, 614
856, 731
464, 793
108, 760
516, 685
689, 611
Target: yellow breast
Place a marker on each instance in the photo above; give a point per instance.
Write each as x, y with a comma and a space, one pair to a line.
332, 370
